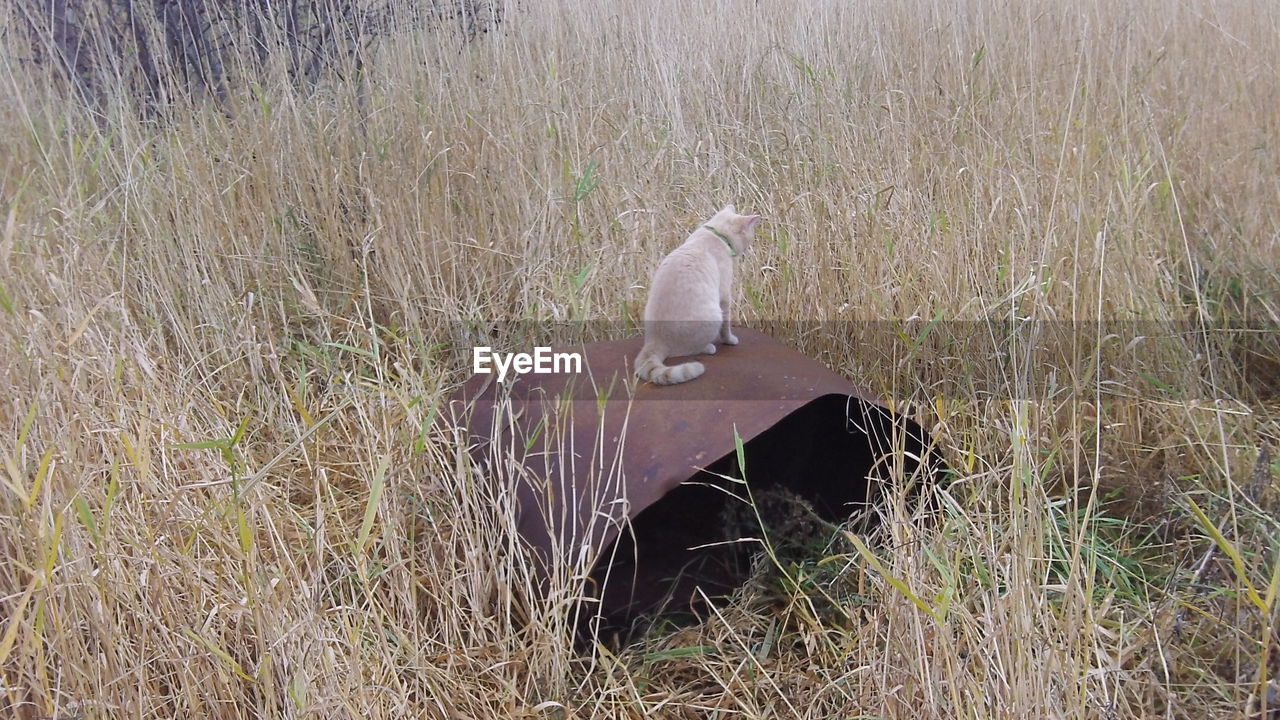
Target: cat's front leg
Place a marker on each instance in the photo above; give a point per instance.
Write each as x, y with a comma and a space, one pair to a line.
726, 334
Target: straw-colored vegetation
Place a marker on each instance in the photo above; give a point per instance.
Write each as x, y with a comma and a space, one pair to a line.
225, 329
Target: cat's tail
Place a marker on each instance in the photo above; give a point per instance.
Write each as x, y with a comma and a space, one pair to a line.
649, 366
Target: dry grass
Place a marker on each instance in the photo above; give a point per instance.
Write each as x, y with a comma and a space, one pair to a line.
220, 348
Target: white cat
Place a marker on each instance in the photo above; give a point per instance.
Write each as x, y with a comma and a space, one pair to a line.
688, 308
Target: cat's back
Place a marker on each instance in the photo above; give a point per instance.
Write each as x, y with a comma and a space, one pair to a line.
691, 256
685, 285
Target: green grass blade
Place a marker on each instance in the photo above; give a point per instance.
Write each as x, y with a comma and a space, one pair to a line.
86, 517
371, 508
219, 444
420, 443
681, 652
897, 584
1237, 561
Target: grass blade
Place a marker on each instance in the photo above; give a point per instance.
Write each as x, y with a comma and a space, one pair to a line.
897, 584
371, 509
15, 622
1237, 561
41, 473
218, 652
86, 517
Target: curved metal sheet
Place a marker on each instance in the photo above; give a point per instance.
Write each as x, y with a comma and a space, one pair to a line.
588, 451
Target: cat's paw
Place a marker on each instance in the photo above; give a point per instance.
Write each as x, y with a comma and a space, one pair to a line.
729, 339
710, 349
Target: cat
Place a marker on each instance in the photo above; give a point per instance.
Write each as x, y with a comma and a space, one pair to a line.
690, 296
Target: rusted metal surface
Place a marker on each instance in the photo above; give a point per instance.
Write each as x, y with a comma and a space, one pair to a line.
587, 452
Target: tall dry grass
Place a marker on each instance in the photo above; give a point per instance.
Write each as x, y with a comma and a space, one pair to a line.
225, 333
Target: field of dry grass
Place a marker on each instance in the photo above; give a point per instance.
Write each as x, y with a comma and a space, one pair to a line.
223, 333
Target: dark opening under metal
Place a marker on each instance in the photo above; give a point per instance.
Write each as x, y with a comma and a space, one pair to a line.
834, 453
635, 474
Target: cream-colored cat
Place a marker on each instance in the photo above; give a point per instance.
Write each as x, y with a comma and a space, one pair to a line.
688, 308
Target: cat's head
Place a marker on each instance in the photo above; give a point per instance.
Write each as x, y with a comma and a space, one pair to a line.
741, 229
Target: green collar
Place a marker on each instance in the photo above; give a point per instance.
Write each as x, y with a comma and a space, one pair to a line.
720, 235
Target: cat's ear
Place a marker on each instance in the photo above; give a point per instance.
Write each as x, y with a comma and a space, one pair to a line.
729, 208
752, 222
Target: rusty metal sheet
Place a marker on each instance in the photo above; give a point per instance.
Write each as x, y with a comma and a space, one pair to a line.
589, 451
